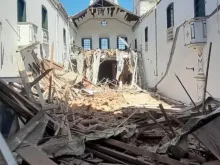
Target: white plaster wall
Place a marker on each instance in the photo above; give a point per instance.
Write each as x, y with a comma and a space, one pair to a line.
149, 57
142, 6
56, 23
183, 56
8, 37
93, 29
211, 6
214, 37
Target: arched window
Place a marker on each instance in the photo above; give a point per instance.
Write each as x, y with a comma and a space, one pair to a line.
44, 18
170, 16
199, 8
64, 36
21, 5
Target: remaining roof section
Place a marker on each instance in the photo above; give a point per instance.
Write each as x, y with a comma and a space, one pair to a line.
143, 17
105, 9
106, 3
60, 7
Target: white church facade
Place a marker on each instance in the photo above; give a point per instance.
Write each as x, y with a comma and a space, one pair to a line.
104, 22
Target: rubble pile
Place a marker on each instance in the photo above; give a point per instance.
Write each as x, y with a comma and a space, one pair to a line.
54, 116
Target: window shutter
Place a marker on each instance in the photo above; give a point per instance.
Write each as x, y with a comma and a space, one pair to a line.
199, 8
44, 18
146, 34
170, 15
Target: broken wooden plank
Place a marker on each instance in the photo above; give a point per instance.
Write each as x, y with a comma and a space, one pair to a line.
34, 156
162, 127
137, 151
120, 155
105, 157
48, 107
79, 162
27, 87
51, 75
212, 163
108, 164
15, 106
37, 134
167, 119
7, 89
50, 88
187, 93
6, 153
181, 117
206, 79
36, 80
17, 139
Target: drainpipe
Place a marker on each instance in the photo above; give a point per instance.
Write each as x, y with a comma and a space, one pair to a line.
218, 17
156, 72
68, 42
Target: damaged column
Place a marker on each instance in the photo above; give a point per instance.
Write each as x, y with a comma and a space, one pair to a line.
95, 65
120, 66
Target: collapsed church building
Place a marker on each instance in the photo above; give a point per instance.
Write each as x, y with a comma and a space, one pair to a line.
104, 31
110, 86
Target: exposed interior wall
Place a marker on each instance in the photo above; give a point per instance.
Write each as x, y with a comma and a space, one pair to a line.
149, 55
107, 70
93, 29
184, 57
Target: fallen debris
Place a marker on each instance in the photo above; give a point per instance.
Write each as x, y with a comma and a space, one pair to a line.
67, 118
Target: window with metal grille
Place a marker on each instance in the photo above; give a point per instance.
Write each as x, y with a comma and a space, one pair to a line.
21, 5
44, 18
120, 44
87, 43
170, 16
104, 43
199, 8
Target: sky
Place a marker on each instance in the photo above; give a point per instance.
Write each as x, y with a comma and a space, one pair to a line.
74, 6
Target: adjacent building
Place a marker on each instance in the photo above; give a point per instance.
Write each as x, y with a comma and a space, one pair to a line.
25, 22
173, 38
